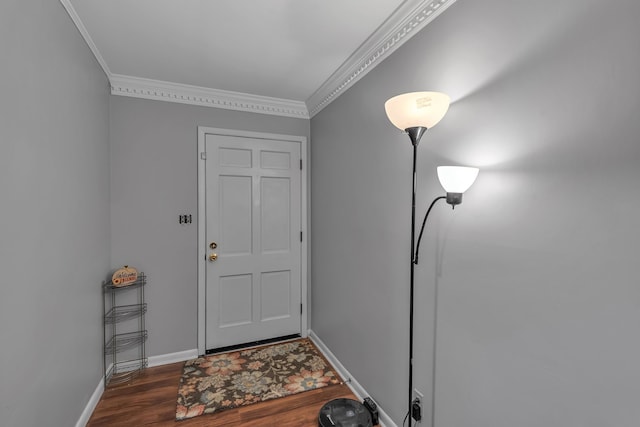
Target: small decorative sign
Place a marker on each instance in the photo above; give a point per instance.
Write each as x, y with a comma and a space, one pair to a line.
124, 276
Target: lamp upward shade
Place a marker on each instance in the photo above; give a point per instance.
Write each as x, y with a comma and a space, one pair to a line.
417, 109
456, 179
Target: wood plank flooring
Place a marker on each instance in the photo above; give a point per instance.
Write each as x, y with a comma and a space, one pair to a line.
150, 400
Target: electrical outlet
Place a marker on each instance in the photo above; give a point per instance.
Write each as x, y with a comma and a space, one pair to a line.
416, 405
416, 409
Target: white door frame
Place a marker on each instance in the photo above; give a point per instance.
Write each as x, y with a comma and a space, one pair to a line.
202, 250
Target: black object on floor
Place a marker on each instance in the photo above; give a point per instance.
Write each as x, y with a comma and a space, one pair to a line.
344, 413
373, 410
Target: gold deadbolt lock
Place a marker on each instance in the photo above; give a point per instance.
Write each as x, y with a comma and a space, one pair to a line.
213, 245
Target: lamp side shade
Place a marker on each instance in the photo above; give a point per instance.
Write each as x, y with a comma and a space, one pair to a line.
457, 179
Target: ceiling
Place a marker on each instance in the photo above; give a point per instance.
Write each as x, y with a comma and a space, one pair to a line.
282, 57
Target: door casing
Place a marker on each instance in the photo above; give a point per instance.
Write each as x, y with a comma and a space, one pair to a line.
202, 249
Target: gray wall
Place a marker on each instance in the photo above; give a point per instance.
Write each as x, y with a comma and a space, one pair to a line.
154, 178
537, 269
54, 215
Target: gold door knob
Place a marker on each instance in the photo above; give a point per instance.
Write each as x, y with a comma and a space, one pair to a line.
213, 257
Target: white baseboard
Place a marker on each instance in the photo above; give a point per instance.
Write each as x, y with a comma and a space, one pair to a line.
165, 359
354, 385
91, 405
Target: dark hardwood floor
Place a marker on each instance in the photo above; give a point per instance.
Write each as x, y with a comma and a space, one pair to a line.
150, 400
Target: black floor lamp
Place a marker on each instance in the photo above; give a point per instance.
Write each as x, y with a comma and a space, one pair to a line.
415, 113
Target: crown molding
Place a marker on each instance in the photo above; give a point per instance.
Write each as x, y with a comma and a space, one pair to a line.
404, 23
195, 95
85, 34
410, 17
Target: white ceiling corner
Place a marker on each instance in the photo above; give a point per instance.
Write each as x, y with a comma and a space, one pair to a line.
405, 21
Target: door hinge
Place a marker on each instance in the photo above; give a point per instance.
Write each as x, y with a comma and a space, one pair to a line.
300, 164
203, 155
301, 236
300, 308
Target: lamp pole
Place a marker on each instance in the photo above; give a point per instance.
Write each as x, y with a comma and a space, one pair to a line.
415, 134
414, 262
413, 238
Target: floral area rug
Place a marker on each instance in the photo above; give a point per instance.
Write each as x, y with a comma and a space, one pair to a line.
228, 380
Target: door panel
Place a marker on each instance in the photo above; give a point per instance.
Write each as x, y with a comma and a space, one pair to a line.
275, 215
235, 218
234, 290
253, 196
233, 157
275, 284
275, 160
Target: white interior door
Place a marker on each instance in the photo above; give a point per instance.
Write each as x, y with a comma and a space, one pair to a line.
253, 239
